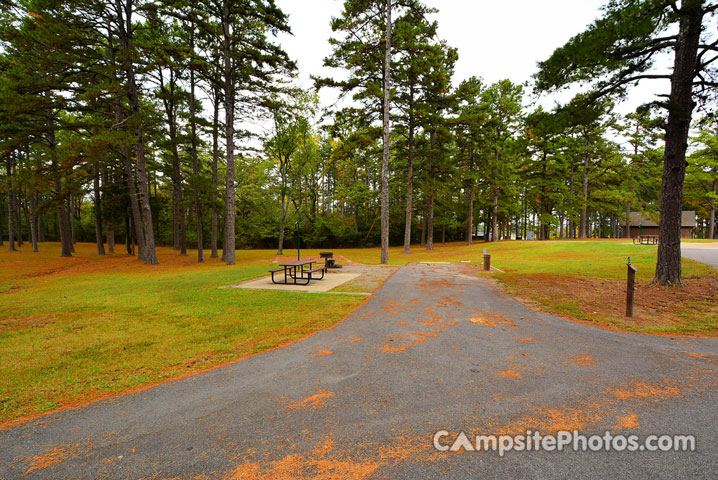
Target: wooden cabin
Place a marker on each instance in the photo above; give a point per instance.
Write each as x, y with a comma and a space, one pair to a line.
641, 225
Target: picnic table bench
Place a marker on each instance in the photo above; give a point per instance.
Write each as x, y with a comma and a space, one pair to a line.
646, 240
295, 273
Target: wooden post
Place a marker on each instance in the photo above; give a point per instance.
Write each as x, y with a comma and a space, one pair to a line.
630, 288
487, 261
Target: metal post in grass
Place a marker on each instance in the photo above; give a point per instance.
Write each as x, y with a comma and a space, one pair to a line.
299, 239
630, 288
487, 261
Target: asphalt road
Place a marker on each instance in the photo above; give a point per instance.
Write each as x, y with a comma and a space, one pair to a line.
702, 252
437, 348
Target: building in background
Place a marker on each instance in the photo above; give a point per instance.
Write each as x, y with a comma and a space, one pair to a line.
641, 225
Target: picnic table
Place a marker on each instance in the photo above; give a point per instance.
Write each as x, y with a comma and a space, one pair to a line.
646, 240
299, 272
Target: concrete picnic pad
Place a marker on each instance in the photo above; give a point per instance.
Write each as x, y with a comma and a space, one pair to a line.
329, 282
436, 348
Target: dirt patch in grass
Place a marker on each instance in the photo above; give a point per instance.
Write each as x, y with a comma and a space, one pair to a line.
13, 289
32, 321
690, 310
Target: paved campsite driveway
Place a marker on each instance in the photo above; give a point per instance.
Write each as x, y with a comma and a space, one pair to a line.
702, 252
435, 348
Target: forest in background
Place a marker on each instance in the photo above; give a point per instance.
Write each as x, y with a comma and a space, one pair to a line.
129, 122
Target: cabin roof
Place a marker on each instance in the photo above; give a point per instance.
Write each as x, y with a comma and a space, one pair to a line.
688, 219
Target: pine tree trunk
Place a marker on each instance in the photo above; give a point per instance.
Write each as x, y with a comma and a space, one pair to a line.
110, 234
409, 181
430, 224
195, 164
40, 226
179, 223
175, 220
125, 35
470, 219
98, 212
132, 190
109, 227
680, 108
387, 129
712, 220
423, 230
71, 213
128, 235
144, 194
430, 219
215, 160
229, 253
10, 206
470, 201
62, 220
583, 233
495, 216
627, 231
18, 217
138, 231
178, 197
282, 218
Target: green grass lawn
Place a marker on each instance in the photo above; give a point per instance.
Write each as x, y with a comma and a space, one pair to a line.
594, 258
76, 329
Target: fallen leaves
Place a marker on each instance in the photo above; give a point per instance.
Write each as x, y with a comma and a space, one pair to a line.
645, 391
318, 400
54, 456
627, 422
323, 352
318, 465
487, 319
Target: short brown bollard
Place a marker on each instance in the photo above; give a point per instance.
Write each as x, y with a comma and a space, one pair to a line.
487, 261
630, 288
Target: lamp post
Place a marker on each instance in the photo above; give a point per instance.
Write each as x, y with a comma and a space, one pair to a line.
299, 239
